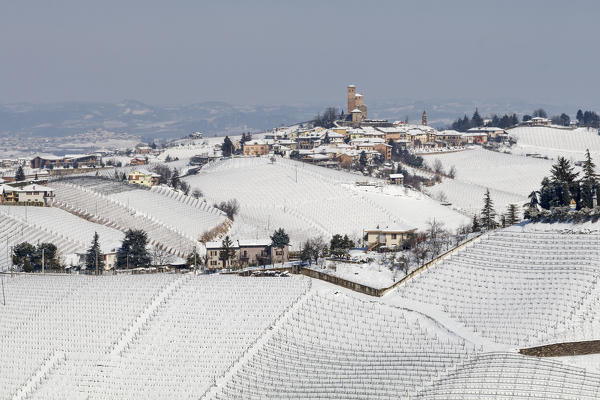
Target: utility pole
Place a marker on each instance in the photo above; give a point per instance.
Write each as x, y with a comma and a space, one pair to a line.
3, 297
43, 260
97, 261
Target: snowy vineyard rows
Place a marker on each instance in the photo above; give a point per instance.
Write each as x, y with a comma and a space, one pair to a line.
224, 337
307, 200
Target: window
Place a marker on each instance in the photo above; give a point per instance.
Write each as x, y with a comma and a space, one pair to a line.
394, 236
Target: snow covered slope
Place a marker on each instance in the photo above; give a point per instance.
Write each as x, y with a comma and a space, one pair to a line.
307, 200
553, 142
518, 287
510, 178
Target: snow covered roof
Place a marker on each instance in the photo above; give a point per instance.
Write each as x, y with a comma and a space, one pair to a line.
219, 245
396, 228
449, 132
254, 243
6, 189
36, 188
356, 110
396, 176
144, 172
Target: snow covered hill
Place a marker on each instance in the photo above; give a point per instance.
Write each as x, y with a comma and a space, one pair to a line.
553, 142
510, 178
307, 200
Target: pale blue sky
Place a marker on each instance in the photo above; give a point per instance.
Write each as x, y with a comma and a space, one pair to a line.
279, 52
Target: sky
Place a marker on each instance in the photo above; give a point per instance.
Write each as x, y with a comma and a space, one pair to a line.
302, 52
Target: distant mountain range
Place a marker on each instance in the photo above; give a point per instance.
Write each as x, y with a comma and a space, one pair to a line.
216, 118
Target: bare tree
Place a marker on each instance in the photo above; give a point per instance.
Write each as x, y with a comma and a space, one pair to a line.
159, 257
452, 172
231, 208
438, 168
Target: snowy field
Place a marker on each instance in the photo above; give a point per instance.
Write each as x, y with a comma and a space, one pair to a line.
553, 142
308, 201
510, 178
372, 274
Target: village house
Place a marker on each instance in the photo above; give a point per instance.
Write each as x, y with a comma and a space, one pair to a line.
143, 177
139, 161
143, 150
254, 252
537, 121
30, 194
450, 137
490, 131
247, 253
213, 256
256, 148
389, 236
67, 161
396, 179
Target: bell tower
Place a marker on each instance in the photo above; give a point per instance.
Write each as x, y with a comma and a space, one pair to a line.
424, 119
351, 98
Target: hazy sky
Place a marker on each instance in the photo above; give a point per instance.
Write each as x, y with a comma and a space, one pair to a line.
283, 52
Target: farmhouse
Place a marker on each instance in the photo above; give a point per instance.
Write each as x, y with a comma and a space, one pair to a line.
139, 161
246, 253
256, 148
30, 194
450, 137
213, 255
390, 236
397, 179
143, 177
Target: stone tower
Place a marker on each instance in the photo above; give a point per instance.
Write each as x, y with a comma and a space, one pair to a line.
351, 98
424, 119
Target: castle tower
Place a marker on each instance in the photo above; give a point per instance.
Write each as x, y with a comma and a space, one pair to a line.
351, 98
424, 119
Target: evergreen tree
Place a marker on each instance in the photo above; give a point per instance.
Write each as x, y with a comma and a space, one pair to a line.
546, 194
20, 174
227, 251
280, 240
175, 180
488, 214
476, 120
475, 227
565, 120
193, 260
514, 120
589, 183
512, 214
23, 256
579, 117
533, 200
133, 251
362, 160
227, 147
526, 117
94, 256
564, 183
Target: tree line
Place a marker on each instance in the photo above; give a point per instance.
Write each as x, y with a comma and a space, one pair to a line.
565, 190
584, 119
